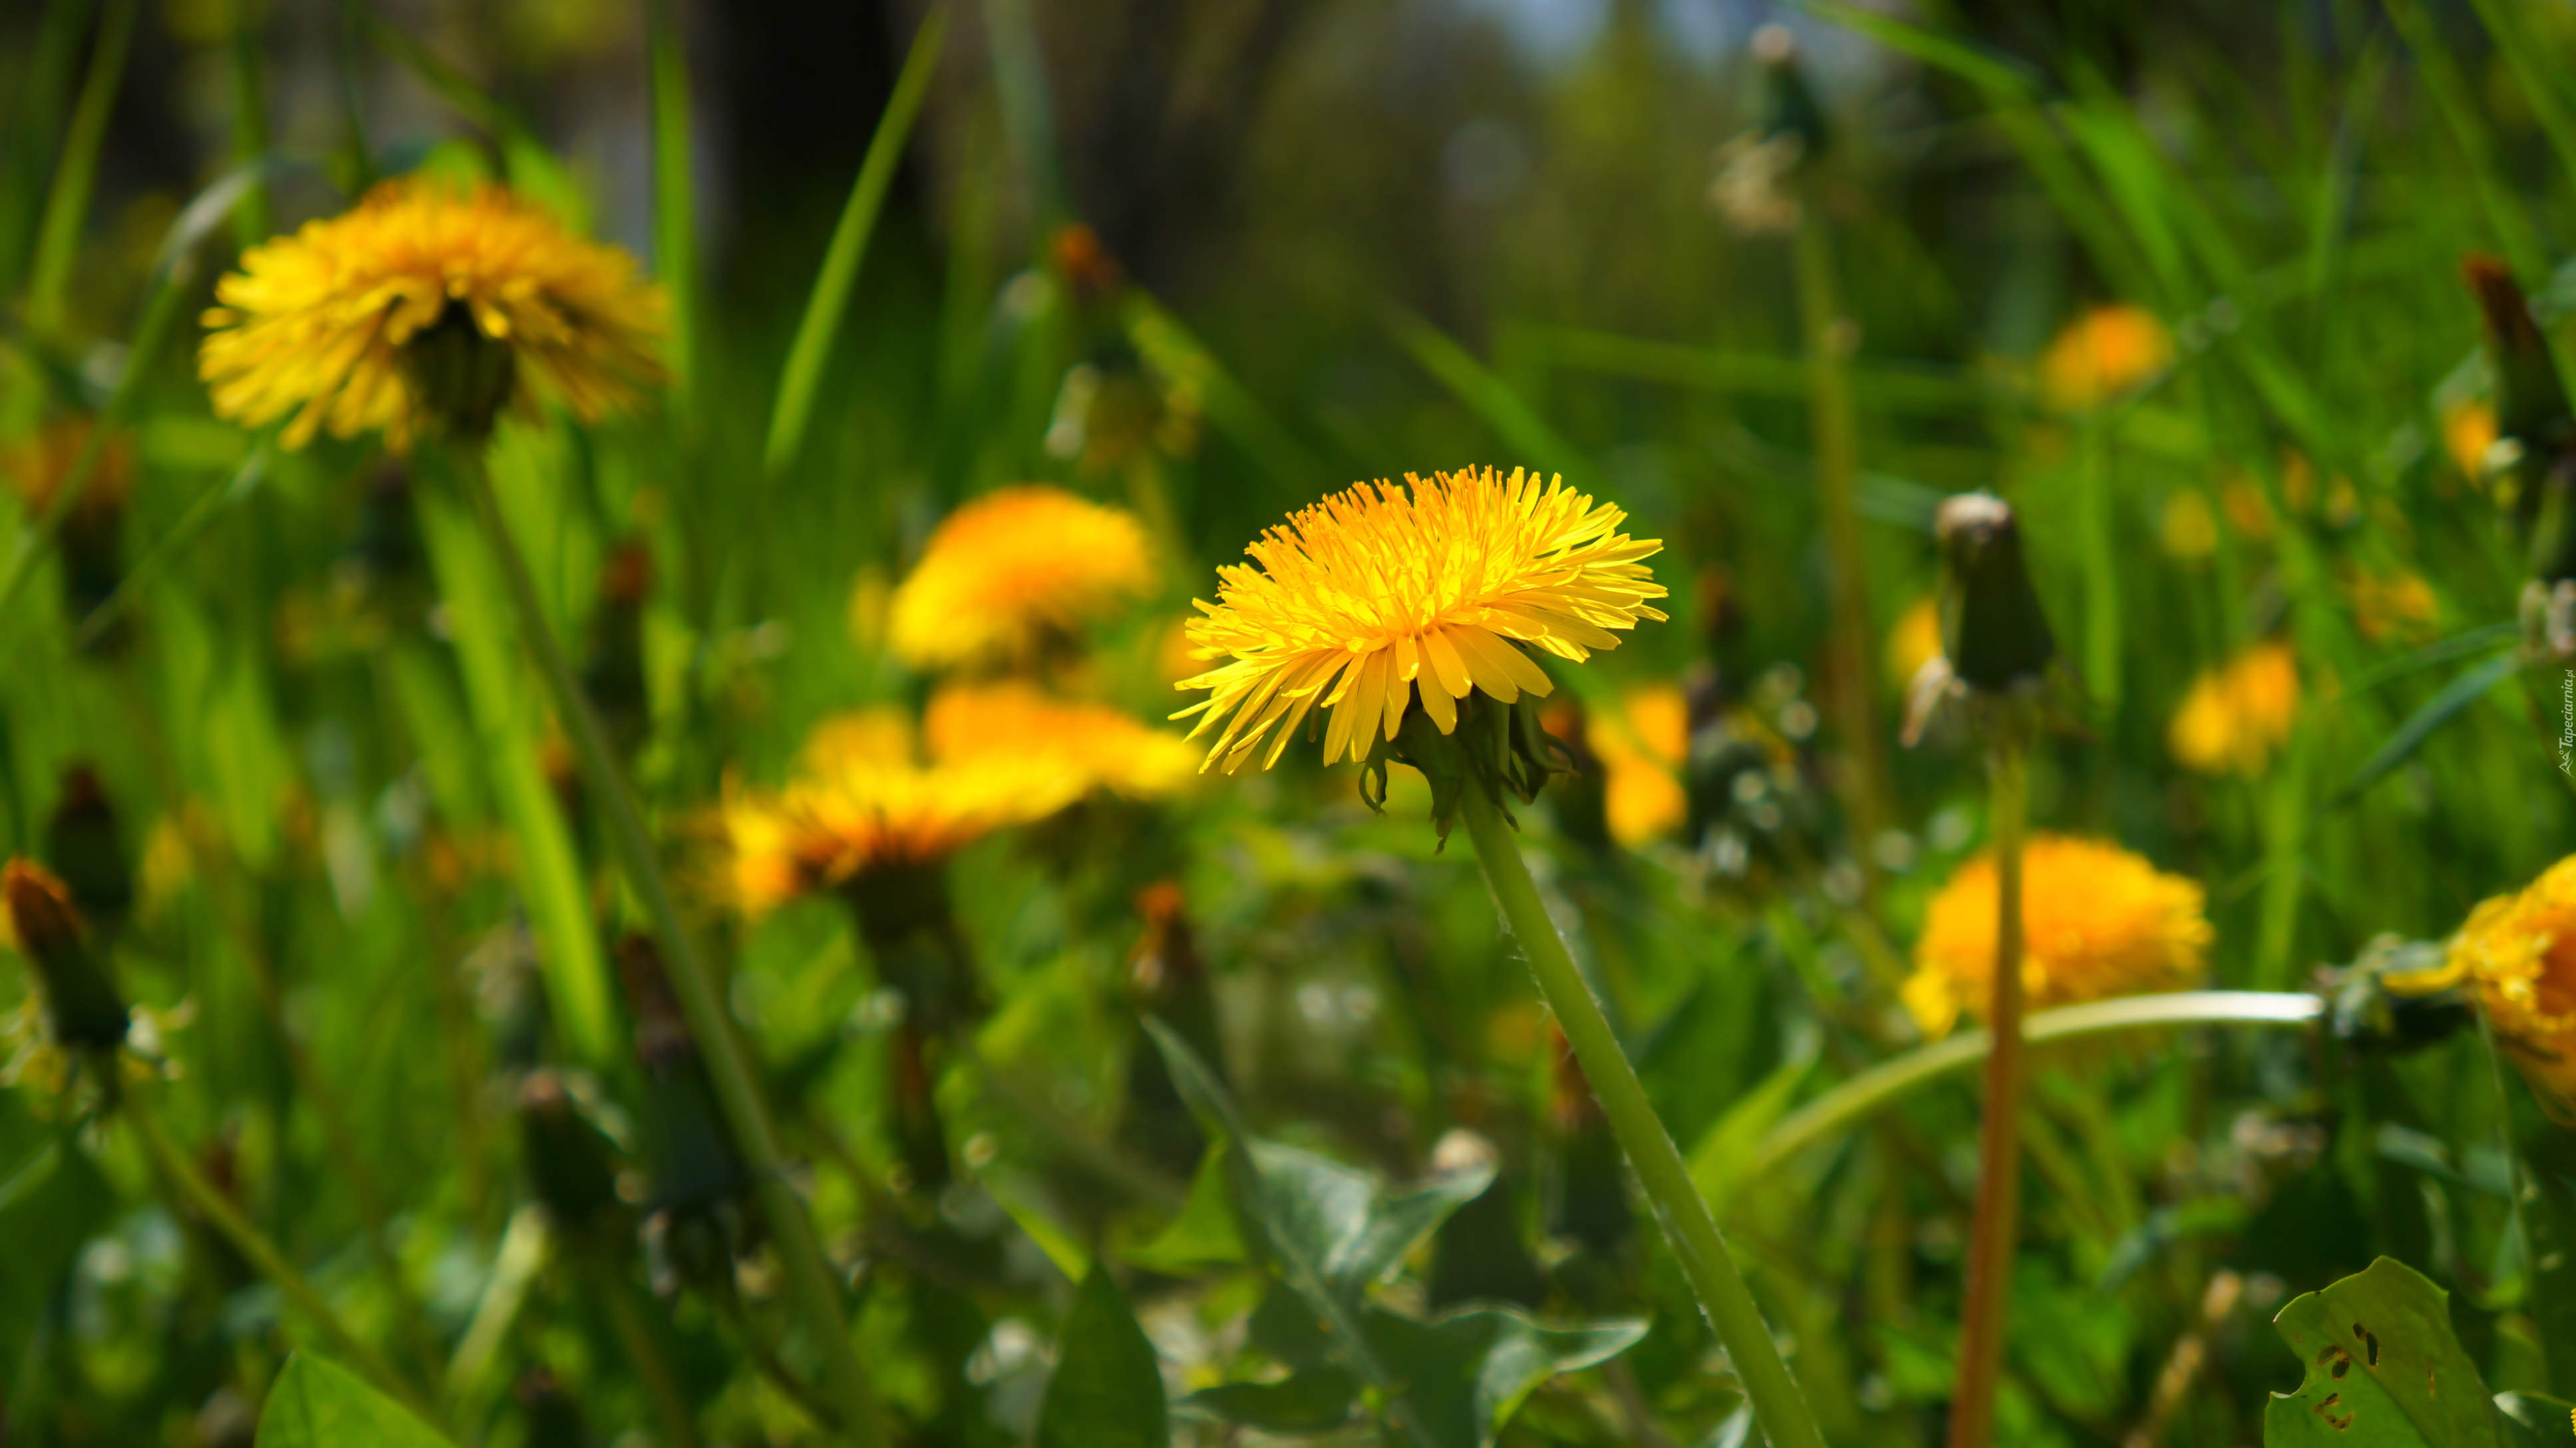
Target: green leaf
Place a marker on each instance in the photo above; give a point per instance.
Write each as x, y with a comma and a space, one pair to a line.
2384, 1368
1343, 1220
1107, 1391
1306, 1405
507, 722
1204, 1234
2453, 700
829, 302
1719, 1161
2528, 1420
1462, 1376
314, 1404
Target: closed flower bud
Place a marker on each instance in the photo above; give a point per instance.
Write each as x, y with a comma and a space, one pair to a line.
81, 842
82, 1007
1992, 628
2531, 402
1789, 104
613, 675
569, 1166
698, 1189
463, 377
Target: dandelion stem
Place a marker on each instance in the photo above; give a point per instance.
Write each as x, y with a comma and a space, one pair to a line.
226, 1218
1779, 1405
634, 1329
1997, 1221
810, 1280
1836, 441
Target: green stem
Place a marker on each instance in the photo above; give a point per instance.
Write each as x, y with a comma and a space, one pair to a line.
810, 1280
250, 126
2515, 1185
1778, 1404
1835, 438
643, 1347
67, 201
226, 1218
675, 248
1996, 1225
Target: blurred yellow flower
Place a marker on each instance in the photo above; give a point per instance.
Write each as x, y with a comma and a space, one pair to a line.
1095, 746
2518, 953
2103, 354
1642, 747
2238, 713
1014, 573
2398, 605
2190, 529
329, 324
2468, 430
1439, 582
1914, 641
864, 800
2097, 922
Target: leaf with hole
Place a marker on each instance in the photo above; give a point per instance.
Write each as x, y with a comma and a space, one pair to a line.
2384, 1368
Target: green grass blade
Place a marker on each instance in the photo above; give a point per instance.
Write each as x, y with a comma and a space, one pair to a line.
1899, 386
487, 114
251, 223
41, 89
507, 720
1530, 437
829, 303
1883, 1085
675, 240
76, 171
2453, 700
2543, 86
170, 547
2508, 222
1174, 351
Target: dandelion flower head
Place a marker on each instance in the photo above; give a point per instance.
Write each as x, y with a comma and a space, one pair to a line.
1093, 745
2097, 922
863, 798
2103, 354
319, 324
1379, 592
1015, 571
2237, 714
2518, 953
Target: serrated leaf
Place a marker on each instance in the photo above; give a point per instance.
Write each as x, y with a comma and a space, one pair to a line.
1107, 1391
314, 1404
2384, 1368
1463, 1376
1304, 1405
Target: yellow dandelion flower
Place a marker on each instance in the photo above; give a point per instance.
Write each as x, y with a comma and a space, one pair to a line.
1095, 746
331, 324
2238, 713
2103, 354
2097, 922
1914, 641
2518, 953
2468, 430
864, 799
1440, 583
1642, 747
2397, 605
1015, 572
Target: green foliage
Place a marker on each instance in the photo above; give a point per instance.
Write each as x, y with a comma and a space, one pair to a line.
1107, 1391
316, 1405
2383, 1366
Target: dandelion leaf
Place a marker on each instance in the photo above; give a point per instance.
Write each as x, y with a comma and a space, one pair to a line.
2383, 1369
1107, 1391
314, 1404
1302, 1405
1463, 1375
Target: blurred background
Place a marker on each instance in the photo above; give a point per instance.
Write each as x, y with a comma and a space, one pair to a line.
2182, 282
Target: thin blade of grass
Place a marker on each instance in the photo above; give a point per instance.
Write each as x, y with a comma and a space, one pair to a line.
2453, 700
1176, 352
675, 241
251, 224
170, 547
76, 171
829, 302
2544, 87
1513, 420
2507, 221
487, 114
1893, 385
41, 93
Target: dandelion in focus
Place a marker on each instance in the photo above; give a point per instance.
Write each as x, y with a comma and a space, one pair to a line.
2102, 355
1435, 587
426, 304
2517, 953
2237, 714
2097, 922
1015, 575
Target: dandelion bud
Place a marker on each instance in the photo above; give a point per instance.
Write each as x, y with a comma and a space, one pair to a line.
697, 1182
463, 377
1789, 104
1992, 628
568, 1161
82, 1007
81, 842
2532, 419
